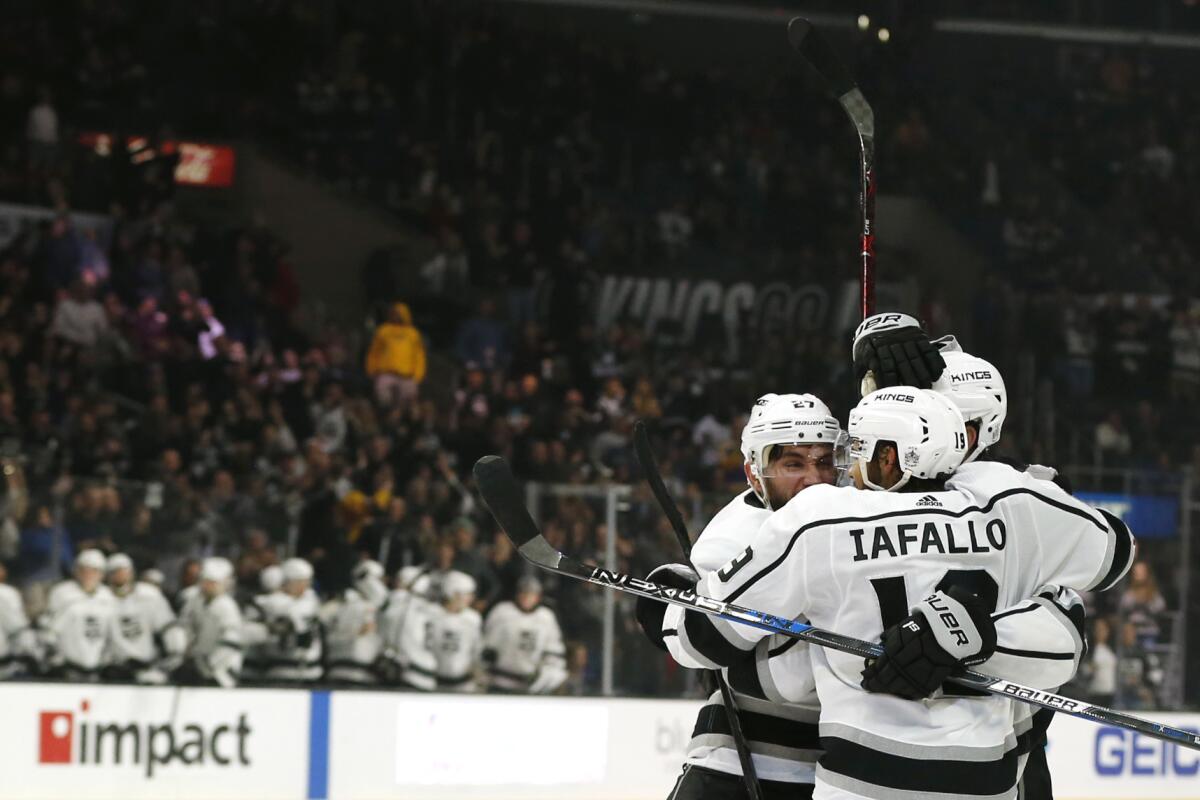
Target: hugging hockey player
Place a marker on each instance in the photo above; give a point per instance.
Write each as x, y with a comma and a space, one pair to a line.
964, 537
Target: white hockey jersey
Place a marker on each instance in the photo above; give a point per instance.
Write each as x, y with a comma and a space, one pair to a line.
214, 629
352, 640
1039, 644
457, 646
524, 652
18, 643
855, 562
783, 739
406, 628
77, 626
143, 618
287, 636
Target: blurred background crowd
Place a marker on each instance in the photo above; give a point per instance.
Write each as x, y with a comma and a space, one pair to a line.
169, 390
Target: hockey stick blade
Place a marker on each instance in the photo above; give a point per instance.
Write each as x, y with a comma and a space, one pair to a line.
501, 494
815, 49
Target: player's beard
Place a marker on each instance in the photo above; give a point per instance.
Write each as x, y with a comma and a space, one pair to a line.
776, 496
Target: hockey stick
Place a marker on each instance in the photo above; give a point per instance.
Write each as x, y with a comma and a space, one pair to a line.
502, 496
645, 457
649, 465
813, 48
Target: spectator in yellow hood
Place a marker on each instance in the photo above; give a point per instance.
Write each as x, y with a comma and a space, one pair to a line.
396, 360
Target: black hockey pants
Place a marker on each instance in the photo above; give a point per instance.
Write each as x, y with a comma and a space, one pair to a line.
701, 783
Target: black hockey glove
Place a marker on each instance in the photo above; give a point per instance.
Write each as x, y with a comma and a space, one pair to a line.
283, 632
649, 612
946, 631
895, 352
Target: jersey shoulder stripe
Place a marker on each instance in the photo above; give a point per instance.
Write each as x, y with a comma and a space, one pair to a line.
1122, 556
944, 512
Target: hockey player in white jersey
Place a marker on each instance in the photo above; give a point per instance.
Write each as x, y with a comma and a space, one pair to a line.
255, 637
522, 644
888, 346
970, 544
77, 621
286, 629
145, 642
213, 624
406, 626
457, 635
785, 446
19, 648
790, 442
352, 641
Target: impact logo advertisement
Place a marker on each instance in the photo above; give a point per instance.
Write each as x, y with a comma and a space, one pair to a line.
89, 742
80, 737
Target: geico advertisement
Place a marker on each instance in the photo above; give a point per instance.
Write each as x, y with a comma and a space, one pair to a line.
505, 748
1101, 761
127, 742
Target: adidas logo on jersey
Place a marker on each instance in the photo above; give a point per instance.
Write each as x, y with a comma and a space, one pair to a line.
929, 500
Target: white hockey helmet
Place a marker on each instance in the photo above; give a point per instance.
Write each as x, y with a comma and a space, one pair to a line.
297, 569
218, 570
927, 429
787, 419
977, 389
415, 580
270, 578
118, 561
90, 559
457, 584
367, 570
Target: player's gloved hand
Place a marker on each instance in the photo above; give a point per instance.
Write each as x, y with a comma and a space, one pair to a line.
649, 612
387, 667
174, 640
946, 631
549, 678
893, 350
224, 664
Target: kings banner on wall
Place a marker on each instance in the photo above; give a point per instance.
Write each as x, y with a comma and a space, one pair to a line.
742, 311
